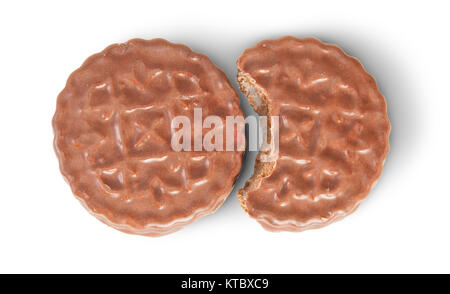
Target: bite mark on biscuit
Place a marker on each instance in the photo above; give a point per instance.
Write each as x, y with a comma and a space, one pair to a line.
257, 98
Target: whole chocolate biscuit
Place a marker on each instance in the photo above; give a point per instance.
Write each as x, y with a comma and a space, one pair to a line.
113, 135
333, 132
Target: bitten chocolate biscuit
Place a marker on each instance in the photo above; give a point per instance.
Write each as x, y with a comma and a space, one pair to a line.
113, 136
333, 132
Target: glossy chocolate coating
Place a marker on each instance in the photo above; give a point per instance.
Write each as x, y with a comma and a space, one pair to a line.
334, 132
113, 136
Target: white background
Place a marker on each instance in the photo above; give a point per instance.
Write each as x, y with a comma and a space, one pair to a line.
403, 226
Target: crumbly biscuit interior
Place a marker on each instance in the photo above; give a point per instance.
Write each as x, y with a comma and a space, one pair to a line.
257, 98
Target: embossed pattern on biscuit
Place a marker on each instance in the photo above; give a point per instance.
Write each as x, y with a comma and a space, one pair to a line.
334, 132
113, 136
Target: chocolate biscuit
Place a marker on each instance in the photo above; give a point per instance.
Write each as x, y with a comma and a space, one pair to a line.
333, 133
113, 133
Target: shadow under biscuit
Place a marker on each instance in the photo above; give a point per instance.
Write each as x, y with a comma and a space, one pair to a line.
225, 59
223, 56
395, 81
